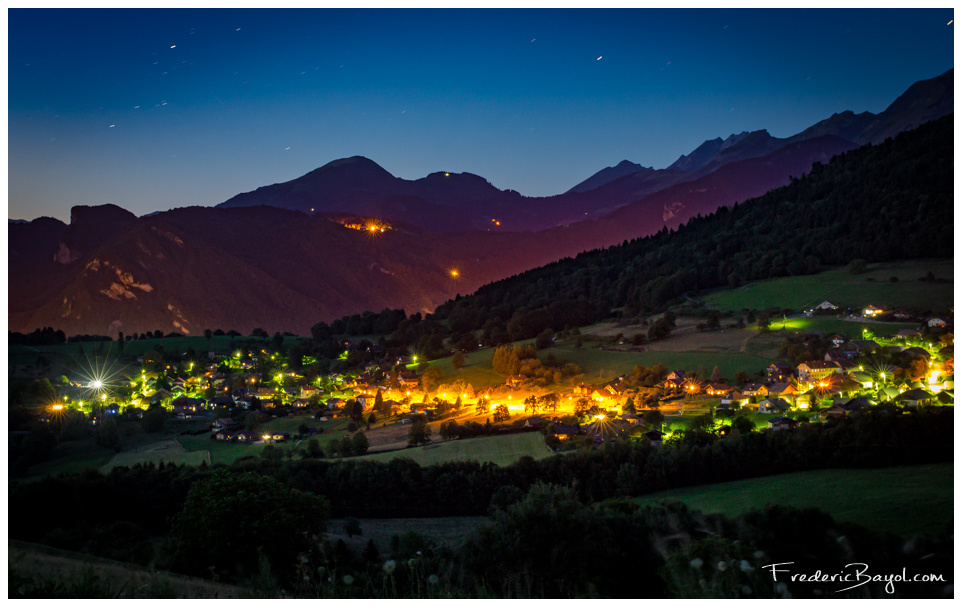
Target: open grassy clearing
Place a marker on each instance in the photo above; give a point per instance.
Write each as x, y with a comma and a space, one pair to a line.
907, 500
72, 457
843, 288
501, 450
168, 451
605, 364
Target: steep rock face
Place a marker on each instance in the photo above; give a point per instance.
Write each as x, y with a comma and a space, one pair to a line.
89, 227
32, 241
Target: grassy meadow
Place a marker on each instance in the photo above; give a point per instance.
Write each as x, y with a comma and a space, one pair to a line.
843, 288
907, 500
500, 450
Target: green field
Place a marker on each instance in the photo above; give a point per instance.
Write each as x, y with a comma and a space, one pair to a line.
843, 288
477, 369
501, 450
605, 364
136, 347
72, 457
907, 500
169, 452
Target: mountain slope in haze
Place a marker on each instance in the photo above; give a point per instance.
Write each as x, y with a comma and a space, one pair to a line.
609, 174
191, 269
195, 268
889, 201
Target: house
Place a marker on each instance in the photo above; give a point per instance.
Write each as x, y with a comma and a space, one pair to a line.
112, 409
755, 389
534, 422
845, 407
773, 405
781, 423
678, 376
655, 436
945, 397
916, 352
275, 437
838, 384
307, 391
888, 394
565, 432
915, 397
906, 334
786, 390
226, 434
864, 378
837, 339
187, 405
778, 371
249, 436
632, 419
826, 305
224, 423
612, 390
871, 311
514, 381
734, 399
938, 321
671, 384
603, 430
836, 356
335, 403
864, 345
366, 401
407, 379
300, 403
221, 401
718, 389
813, 370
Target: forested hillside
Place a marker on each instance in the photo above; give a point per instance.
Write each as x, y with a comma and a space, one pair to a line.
878, 203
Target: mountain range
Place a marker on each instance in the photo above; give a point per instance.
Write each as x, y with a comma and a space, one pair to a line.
349, 236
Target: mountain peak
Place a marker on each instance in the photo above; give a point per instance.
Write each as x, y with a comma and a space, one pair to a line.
609, 174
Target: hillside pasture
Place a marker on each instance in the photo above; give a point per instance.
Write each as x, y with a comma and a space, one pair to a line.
845, 289
905, 500
500, 450
167, 451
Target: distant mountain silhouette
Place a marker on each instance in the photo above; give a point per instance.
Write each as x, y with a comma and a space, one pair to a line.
923, 101
609, 174
286, 256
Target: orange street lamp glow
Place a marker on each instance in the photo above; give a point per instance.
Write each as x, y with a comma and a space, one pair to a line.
455, 273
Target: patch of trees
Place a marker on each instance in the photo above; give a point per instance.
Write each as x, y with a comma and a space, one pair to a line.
259, 515
39, 337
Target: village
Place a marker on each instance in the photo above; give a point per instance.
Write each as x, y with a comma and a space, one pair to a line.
649, 404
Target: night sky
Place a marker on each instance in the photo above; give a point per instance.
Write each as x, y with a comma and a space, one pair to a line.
156, 109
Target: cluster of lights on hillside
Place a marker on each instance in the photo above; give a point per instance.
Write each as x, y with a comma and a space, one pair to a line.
371, 226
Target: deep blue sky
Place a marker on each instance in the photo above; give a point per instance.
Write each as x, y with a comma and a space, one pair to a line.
155, 109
